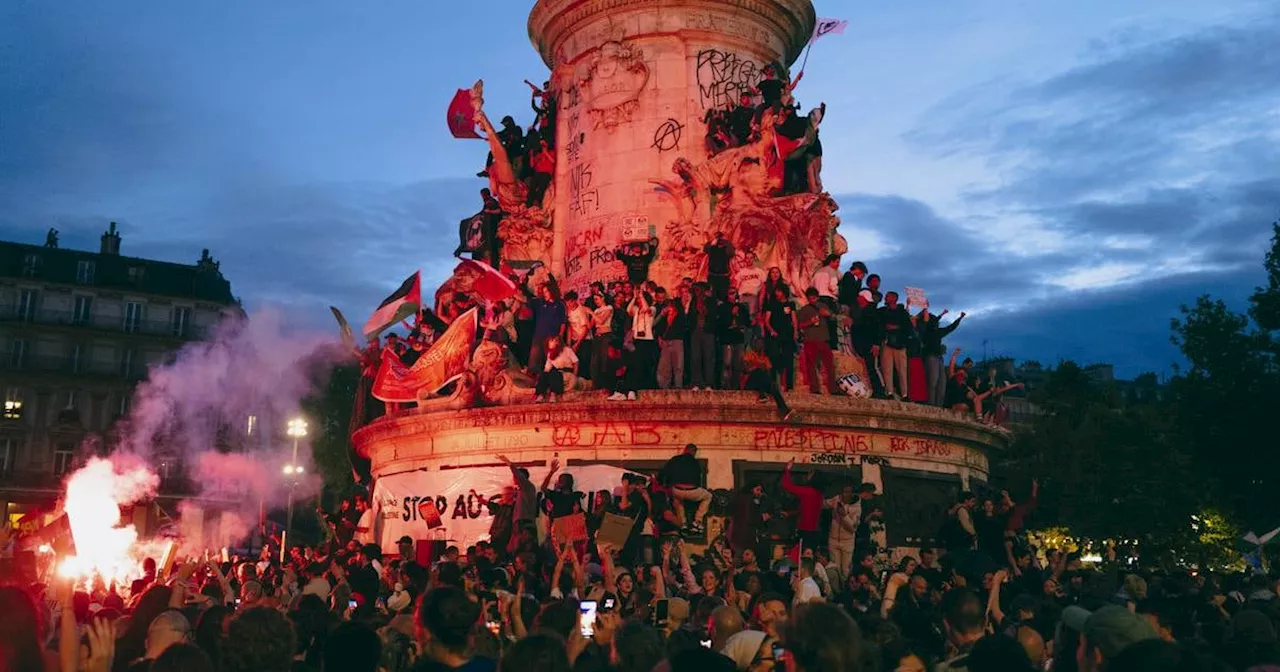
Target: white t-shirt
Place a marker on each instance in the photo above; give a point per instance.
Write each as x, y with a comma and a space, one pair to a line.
827, 281
750, 280
642, 321
366, 523
807, 591
603, 317
579, 323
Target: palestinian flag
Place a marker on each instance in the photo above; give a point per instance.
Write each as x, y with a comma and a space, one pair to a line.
401, 304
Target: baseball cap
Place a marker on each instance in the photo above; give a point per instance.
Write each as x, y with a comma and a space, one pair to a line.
1109, 629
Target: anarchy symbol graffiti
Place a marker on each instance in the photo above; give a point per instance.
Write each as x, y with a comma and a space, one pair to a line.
667, 136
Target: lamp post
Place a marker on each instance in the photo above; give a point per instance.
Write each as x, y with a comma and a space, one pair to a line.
296, 430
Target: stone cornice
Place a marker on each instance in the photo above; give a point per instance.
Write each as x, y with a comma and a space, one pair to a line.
685, 407
552, 21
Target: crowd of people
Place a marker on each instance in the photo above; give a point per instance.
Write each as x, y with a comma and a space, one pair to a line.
816, 593
739, 327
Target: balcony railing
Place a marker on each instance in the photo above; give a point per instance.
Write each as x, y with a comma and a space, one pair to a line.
72, 367
66, 318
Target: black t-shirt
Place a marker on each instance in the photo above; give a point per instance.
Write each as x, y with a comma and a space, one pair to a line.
560, 504
780, 320
770, 90
956, 394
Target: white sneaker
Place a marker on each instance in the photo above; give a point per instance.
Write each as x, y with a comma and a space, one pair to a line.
617, 396
694, 389
631, 396
539, 399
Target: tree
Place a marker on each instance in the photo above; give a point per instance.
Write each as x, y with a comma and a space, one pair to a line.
1226, 397
330, 409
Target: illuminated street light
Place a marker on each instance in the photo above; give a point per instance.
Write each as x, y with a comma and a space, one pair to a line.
297, 429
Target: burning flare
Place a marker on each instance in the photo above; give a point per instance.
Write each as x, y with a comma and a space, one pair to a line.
94, 496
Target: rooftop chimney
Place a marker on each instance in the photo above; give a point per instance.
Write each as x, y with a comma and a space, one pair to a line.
111, 242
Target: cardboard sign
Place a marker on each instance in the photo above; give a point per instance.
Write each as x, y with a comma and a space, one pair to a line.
916, 298
430, 514
615, 530
570, 528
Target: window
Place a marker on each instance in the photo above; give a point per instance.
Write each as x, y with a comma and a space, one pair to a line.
83, 310
251, 425
8, 455
71, 400
27, 299
127, 358
84, 272
77, 359
63, 453
17, 354
126, 401
133, 315
13, 404
137, 274
181, 321
31, 265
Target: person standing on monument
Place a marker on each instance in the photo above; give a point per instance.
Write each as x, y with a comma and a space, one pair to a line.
719, 252
549, 318
779, 322
641, 367
683, 474
579, 339
637, 256
827, 281
931, 334
702, 337
602, 324
672, 328
733, 323
896, 326
813, 320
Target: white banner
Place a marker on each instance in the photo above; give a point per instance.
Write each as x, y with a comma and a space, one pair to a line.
828, 27
462, 497
916, 298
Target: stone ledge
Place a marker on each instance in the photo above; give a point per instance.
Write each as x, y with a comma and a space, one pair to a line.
686, 406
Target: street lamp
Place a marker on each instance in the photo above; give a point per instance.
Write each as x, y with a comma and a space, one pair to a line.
297, 429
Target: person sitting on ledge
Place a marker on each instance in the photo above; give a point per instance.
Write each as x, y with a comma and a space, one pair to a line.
560, 360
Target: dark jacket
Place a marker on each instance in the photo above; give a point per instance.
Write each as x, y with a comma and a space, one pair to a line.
675, 329
849, 288
931, 335
732, 326
896, 326
683, 469
718, 257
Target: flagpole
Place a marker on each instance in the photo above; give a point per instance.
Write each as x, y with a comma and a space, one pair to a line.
806, 54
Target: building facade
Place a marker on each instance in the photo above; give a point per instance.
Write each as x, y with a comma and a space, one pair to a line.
78, 330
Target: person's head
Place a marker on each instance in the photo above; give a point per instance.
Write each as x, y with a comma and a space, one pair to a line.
539, 652
167, 629
771, 610
873, 281
571, 299
508, 122
443, 621
1105, 633
821, 637
891, 300
183, 657
149, 567
928, 556
967, 499
637, 647
1022, 558
919, 587
752, 585
811, 295
485, 194
690, 449
353, 646
709, 580
988, 507
553, 344
368, 553
858, 269
907, 565
660, 294
832, 260
775, 274
547, 292
998, 653
564, 482
21, 631
405, 547
963, 617
262, 640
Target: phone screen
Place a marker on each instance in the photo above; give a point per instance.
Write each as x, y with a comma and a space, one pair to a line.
778, 652
609, 603
706, 643
661, 610
587, 617
352, 604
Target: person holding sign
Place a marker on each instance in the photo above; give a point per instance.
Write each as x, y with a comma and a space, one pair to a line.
564, 507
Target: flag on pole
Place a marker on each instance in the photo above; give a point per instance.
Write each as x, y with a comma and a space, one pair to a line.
444, 361
490, 283
401, 304
348, 338
462, 116
828, 27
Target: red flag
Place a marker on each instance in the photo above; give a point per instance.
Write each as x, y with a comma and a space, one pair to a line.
490, 283
405, 301
462, 115
445, 360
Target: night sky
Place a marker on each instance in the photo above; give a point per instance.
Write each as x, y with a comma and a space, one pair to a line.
1068, 172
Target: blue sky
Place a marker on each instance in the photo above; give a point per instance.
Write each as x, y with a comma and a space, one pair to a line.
1069, 172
